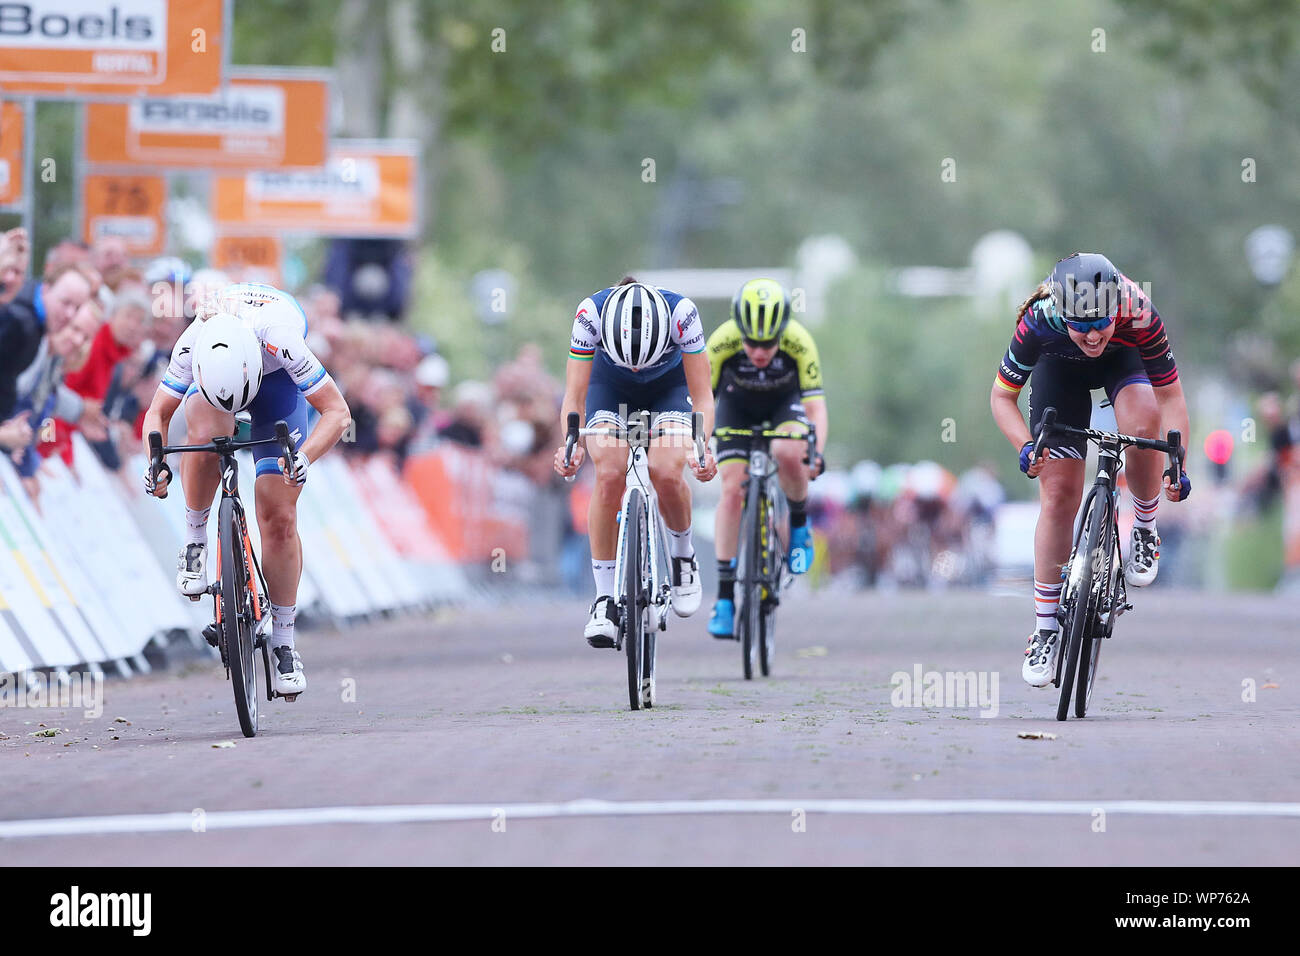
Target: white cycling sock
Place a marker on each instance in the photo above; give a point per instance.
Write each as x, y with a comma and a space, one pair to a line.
196, 525
680, 543
282, 620
1144, 512
603, 572
1047, 598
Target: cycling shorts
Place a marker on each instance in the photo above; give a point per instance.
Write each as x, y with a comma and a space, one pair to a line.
738, 408
277, 399
1066, 384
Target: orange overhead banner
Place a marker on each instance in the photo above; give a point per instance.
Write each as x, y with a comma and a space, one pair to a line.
249, 258
131, 208
265, 118
366, 188
72, 49
11, 154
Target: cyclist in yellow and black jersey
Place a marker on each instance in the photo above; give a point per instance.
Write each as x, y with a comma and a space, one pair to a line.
765, 368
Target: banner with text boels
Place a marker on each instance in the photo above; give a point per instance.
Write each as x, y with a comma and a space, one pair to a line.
113, 49
265, 118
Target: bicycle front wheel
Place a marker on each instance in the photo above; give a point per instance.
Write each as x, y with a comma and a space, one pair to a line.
236, 614
749, 579
772, 550
1104, 575
635, 551
1083, 565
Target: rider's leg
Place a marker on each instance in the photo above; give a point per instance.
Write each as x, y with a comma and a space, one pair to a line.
1137, 414
277, 520
609, 458
200, 477
726, 532
201, 474
1060, 488
667, 456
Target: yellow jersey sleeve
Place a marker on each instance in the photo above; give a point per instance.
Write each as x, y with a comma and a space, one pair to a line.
723, 344
797, 342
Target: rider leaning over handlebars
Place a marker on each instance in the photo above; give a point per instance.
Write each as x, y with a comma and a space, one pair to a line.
246, 351
1087, 326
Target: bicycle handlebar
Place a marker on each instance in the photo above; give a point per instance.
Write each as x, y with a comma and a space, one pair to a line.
1171, 446
810, 437
219, 446
639, 437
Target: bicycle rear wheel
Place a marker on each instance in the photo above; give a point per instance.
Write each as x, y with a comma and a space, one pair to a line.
1080, 583
236, 614
633, 623
749, 579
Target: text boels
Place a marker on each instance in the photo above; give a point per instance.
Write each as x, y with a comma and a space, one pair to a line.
22, 20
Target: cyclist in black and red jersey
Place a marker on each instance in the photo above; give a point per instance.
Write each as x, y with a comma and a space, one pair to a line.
1087, 326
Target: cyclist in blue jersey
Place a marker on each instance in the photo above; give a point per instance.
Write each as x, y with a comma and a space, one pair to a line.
1087, 326
246, 351
638, 348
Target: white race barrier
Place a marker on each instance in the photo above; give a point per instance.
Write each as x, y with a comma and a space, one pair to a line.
87, 577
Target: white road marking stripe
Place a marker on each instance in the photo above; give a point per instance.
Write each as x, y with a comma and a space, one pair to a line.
444, 813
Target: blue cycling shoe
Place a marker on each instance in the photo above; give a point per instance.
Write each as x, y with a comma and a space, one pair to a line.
722, 623
802, 552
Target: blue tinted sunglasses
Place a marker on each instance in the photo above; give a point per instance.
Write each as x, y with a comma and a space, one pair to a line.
1089, 326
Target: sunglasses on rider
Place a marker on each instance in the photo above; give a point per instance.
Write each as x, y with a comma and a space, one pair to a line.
763, 346
1085, 326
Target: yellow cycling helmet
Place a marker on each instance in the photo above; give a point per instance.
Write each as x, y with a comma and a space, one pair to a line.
761, 308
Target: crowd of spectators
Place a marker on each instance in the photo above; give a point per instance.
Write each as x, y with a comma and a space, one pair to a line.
84, 343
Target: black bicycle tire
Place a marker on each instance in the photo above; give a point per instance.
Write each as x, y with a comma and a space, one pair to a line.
1081, 613
1091, 648
751, 597
772, 567
234, 577
649, 635
632, 622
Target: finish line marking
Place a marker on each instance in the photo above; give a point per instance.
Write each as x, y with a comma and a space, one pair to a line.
450, 813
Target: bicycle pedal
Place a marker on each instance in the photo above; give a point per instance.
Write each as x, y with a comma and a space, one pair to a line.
288, 697
211, 634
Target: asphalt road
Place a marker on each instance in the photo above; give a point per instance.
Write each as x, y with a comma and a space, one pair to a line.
493, 713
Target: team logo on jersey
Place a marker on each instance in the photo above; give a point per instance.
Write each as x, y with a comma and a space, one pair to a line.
270, 348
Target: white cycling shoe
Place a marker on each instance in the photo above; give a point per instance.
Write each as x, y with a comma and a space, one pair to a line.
287, 677
687, 590
1040, 658
1144, 557
192, 571
602, 626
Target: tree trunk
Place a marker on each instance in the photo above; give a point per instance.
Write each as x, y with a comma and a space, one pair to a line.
419, 63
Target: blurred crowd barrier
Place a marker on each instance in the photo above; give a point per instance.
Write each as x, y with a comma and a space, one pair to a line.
87, 570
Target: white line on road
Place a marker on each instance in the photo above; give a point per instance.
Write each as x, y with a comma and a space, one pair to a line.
445, 813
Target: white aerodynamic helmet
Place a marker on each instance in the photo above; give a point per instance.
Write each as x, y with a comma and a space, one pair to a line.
635, 325
227, 363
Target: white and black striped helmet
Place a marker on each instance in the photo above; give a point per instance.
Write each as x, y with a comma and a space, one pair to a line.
635, 325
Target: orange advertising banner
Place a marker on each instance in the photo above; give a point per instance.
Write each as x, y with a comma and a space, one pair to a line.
11, 154
72, 49
131, 208
366, 188
249, 258
265, 118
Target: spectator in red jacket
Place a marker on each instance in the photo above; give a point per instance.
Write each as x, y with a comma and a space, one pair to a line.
121, 336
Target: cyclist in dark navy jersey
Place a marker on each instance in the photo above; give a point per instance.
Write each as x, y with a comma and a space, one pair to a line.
638, 348
1087, 326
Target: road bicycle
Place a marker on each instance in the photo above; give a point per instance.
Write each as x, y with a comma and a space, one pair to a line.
1094, 595
762, 548
241, 614
641, 562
